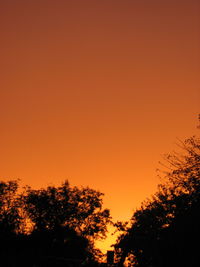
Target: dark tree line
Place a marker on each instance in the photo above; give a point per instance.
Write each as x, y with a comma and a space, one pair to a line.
165, 231
56, 226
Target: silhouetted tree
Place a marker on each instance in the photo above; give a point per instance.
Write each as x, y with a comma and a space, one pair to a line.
11, 221
66, 220
55, 226
79, 209
165, 230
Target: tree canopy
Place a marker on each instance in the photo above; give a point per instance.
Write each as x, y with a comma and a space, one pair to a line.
50, 225
78, 208
10, 219
165, 230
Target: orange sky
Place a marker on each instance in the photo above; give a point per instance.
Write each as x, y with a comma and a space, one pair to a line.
96, 91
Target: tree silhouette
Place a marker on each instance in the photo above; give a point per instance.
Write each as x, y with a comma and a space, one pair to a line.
55, 226
65, 221
11, 221
165, 230
79, 209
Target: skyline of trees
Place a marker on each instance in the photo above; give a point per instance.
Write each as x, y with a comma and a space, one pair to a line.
58, 226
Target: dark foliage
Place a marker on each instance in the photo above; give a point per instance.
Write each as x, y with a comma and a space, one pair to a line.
10, 219
165, 230
79, 209
55, 226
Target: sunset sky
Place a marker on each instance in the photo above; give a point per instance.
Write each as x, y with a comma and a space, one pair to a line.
96, 91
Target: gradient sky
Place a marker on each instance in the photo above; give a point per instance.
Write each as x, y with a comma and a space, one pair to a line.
96, 91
